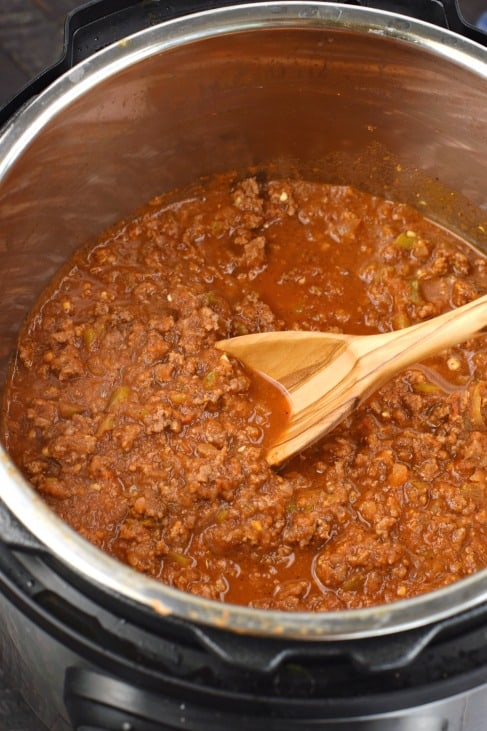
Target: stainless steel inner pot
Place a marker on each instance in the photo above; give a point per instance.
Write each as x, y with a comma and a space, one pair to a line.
332, 92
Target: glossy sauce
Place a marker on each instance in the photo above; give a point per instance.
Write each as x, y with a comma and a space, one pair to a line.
151, 443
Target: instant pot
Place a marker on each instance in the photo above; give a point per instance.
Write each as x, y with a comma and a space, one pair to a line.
150, 96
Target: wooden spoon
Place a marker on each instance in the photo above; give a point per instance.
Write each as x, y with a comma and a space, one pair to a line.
326, 375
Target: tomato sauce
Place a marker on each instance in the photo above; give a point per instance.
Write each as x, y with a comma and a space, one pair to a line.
151, 443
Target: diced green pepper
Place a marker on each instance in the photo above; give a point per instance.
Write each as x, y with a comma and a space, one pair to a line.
210, 380
406, 240
415, 292
180, 558
118, 396
106, 424
426, 387
400, 321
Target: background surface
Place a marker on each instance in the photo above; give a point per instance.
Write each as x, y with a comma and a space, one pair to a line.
31, 39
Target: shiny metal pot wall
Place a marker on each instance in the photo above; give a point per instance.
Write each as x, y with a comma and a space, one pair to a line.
337, 93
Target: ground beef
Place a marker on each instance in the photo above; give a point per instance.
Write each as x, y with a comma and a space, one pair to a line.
152, 444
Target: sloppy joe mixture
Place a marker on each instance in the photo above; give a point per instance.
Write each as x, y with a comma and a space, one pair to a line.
151, 443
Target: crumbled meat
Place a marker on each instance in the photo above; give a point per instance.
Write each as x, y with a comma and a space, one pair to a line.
152, 444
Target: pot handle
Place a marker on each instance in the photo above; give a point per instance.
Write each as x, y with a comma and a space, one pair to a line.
14, 535
444, 13
369, 654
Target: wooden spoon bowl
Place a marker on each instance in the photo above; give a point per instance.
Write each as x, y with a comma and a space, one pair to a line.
327, 375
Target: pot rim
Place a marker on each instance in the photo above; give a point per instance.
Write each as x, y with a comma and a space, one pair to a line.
74, 551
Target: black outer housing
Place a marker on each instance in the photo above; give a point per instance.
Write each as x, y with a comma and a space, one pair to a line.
166, 674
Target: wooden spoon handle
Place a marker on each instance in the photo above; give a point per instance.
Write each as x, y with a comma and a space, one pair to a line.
328, 396
402, 348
